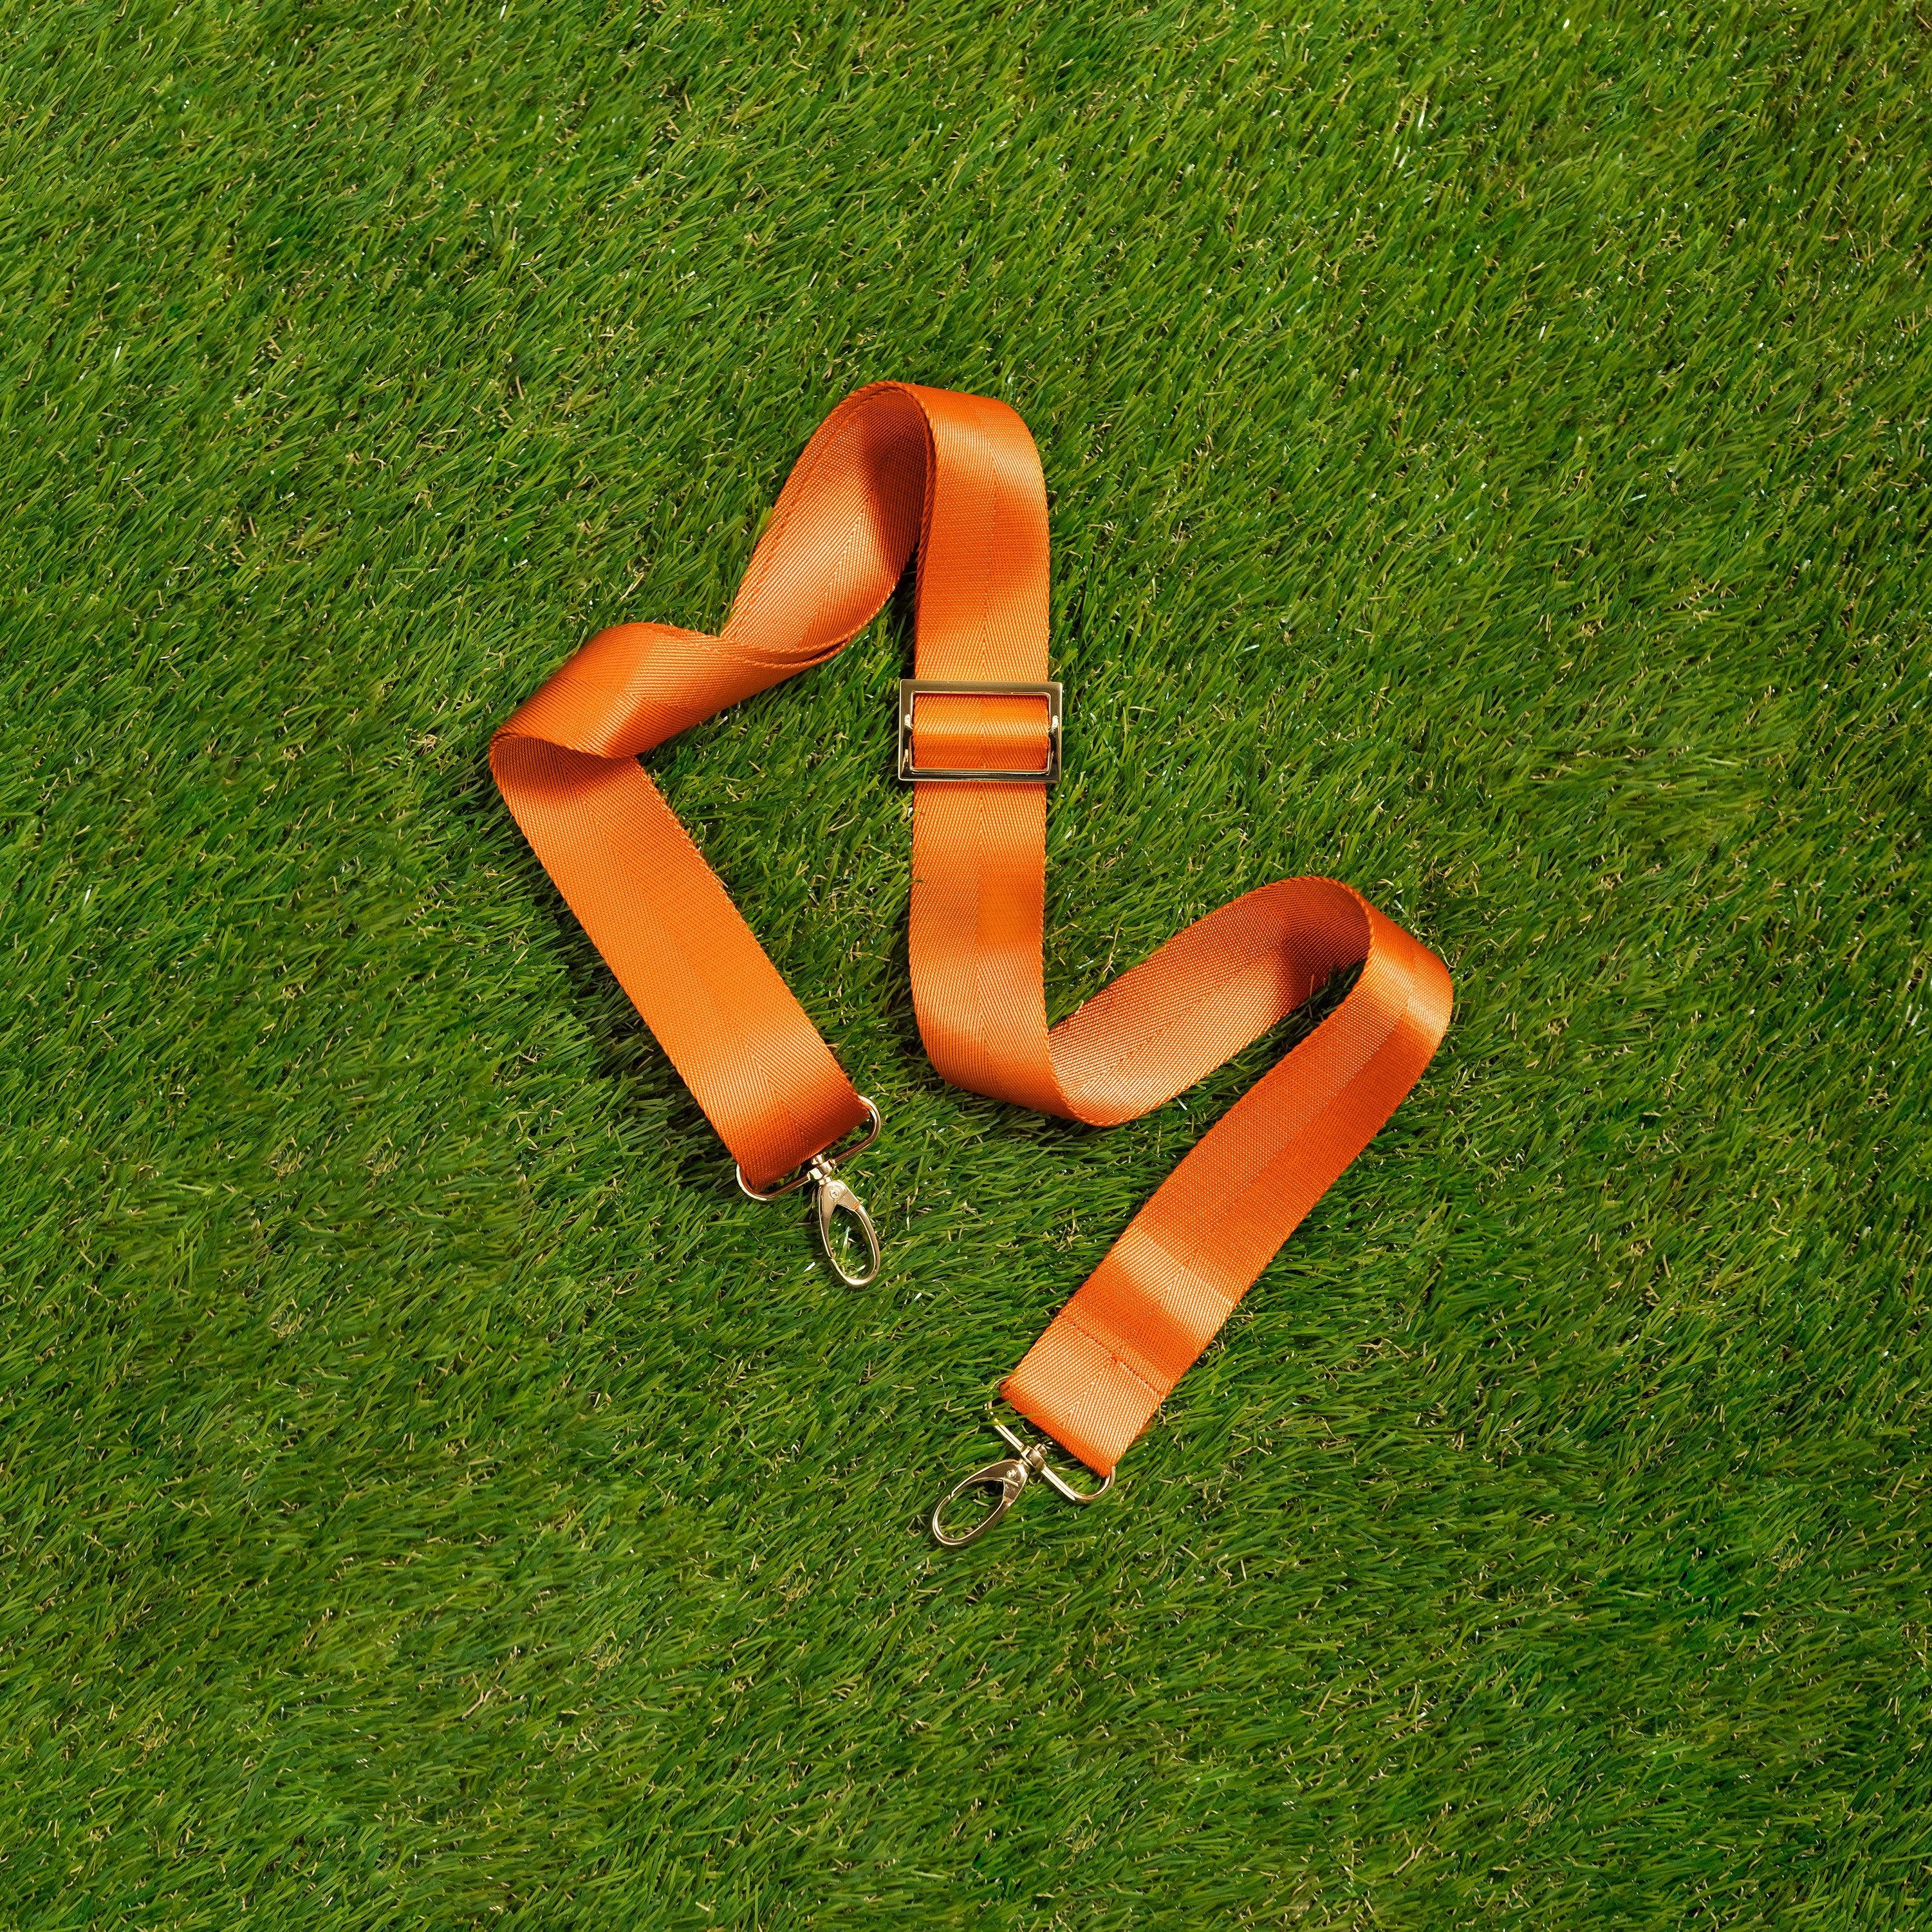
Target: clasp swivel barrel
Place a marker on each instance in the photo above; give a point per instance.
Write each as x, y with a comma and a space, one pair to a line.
836, 1197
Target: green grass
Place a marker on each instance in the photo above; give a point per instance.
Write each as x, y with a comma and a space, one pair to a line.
1488, 464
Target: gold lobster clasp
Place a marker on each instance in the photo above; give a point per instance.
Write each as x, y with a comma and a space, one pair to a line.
1009, 1476
836, 1197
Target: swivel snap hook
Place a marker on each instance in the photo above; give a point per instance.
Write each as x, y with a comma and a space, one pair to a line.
1010, 1475
835, 1197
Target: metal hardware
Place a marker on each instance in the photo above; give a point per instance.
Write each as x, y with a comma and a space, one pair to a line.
835, 1197
911, 689
1010, 1475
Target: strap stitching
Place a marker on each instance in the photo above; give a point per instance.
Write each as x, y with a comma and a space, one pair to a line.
1070, 1315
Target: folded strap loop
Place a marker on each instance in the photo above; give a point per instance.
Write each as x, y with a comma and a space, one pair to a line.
894, 468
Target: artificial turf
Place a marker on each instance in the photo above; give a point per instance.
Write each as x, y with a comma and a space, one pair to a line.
1487, 457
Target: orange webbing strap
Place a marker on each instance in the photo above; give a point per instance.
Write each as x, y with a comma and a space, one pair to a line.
893, 467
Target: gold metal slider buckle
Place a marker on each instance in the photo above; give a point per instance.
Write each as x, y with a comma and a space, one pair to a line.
911, 689
835, 1197
1009, 1476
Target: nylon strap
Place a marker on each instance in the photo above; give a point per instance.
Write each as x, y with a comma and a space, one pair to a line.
893, 469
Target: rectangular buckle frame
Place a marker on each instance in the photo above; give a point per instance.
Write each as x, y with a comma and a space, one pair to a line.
911, 689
